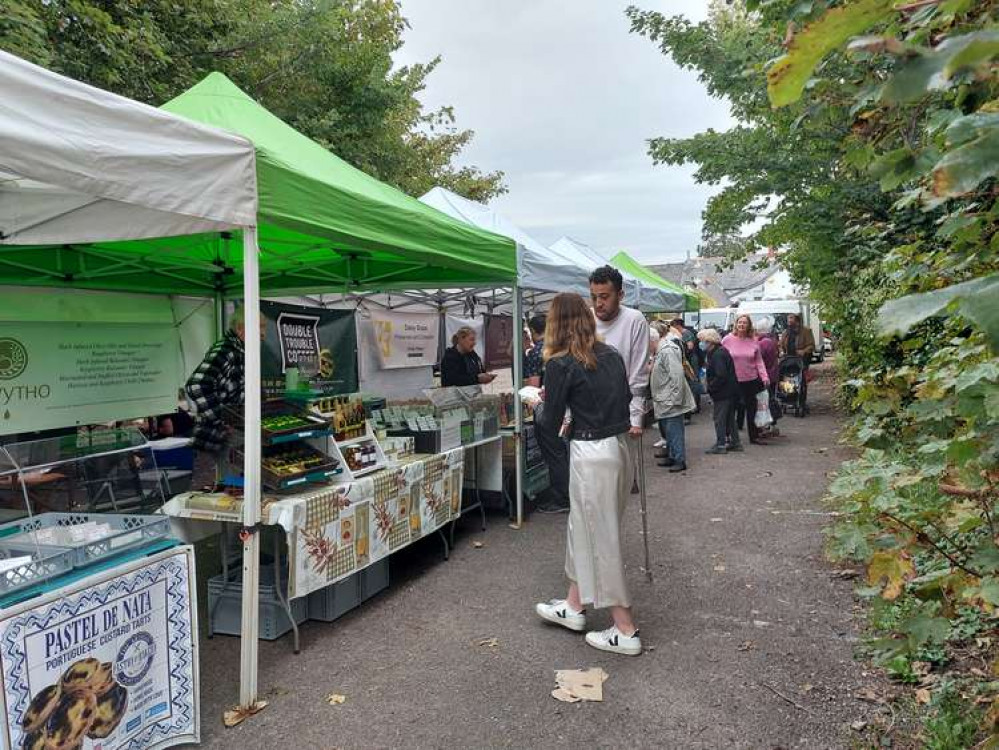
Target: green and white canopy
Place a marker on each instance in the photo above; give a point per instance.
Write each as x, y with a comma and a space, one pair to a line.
623, 261
323, 225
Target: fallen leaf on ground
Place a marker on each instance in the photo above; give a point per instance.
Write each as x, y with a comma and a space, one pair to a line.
746, 646
478, 545
858, 726
335, 699
807, 687
764, 475
239, 714
867, 694
719, 568
581, 684
489, 642
923, 696
846, 573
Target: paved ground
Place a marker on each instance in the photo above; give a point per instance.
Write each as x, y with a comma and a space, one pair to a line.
743, 618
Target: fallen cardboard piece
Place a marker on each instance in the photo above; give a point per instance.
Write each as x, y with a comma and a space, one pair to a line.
576, 685
238, 715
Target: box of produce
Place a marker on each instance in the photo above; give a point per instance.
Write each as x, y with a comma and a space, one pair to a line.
287, 466
281, 421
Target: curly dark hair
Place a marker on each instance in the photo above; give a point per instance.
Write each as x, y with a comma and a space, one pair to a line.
607, 274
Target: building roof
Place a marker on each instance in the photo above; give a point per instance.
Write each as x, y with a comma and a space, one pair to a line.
722, 285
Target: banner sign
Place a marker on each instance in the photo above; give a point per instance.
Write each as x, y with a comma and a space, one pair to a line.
321, 343
56, 374
108, 662
499, 342
406, 339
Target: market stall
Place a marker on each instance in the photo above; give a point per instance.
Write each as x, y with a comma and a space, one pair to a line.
78, 223
97, 615
685, 300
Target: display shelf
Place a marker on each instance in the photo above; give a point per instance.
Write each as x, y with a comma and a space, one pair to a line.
344, 451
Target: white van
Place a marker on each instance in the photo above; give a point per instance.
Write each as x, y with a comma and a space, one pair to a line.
711, 317
778, 310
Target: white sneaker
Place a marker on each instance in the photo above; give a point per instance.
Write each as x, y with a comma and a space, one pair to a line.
659, 444
615, 641
559, 612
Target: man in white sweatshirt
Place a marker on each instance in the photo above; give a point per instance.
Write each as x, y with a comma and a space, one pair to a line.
627, 331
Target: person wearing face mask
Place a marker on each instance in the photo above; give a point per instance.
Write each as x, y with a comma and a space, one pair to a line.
749, 369
672, 398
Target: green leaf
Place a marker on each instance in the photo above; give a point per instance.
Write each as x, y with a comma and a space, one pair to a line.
898, 316
992, 404
988, 591
969, 50
787, 77
973, 155
982, 307
986, 557
913, 78
923, 628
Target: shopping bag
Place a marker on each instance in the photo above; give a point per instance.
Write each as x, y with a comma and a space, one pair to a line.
763, 417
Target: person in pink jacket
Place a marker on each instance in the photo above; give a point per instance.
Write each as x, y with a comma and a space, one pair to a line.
750, 370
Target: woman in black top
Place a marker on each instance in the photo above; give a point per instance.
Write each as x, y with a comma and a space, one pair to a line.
587, 381
461, 365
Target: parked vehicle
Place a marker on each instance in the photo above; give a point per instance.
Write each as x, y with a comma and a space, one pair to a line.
711, 317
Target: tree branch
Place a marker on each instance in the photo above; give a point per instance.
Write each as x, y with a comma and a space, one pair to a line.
924, 537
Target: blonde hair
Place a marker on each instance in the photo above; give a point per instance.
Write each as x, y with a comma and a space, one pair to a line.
461, 333
749, 328
571, 330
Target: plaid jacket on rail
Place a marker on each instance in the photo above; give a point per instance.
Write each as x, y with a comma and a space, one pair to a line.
219, 380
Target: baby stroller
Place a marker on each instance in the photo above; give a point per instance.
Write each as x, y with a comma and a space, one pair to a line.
790, 382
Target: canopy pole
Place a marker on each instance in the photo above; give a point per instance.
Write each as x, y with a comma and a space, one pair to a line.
518, 407
251, 474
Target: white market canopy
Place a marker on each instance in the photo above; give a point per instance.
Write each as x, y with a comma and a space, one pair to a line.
563, 267
79, 164
537, 267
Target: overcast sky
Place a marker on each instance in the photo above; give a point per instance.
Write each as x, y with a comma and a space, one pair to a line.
563, 98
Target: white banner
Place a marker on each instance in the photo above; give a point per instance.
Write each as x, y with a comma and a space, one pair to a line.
106, 663
406, 339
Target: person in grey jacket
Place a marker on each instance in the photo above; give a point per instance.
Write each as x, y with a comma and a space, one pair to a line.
672, 399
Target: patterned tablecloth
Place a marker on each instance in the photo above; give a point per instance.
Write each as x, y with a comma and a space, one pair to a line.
338, 530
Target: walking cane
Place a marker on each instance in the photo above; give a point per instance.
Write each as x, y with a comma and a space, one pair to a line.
644, 509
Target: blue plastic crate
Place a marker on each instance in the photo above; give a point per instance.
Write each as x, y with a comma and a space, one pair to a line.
128, 532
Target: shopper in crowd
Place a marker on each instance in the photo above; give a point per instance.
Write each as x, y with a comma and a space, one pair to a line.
589, 378
723, 387
658, 332
672, 399
654, 338
624, 329
692, 361
219, 381
771, 360
461, 364
799, 341
534, 363
749, 370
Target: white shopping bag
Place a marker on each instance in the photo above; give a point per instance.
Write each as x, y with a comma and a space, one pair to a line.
763, 417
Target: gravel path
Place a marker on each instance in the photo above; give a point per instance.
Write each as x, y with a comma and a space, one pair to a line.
749, 635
